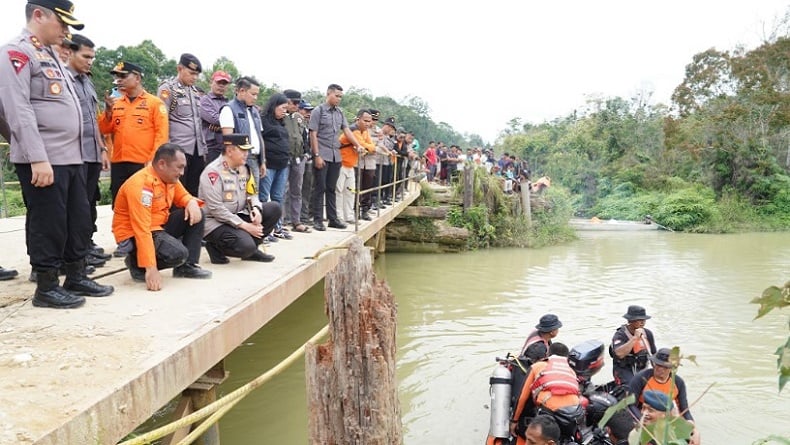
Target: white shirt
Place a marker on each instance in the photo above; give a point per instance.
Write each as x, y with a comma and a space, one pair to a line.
226, 121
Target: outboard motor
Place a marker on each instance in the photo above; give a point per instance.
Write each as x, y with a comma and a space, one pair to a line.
586, 359
500, 399
599, 403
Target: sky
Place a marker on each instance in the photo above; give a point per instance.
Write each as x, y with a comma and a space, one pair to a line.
477, 64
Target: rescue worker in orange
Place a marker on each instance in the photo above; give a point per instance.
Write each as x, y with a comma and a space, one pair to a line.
160, 238
551, 385
536, 347
659, 378
349, 160
632, 344
137, 122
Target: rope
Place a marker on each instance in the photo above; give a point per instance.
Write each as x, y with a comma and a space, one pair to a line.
223, 405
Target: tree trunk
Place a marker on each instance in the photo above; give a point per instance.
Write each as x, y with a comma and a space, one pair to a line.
351, 387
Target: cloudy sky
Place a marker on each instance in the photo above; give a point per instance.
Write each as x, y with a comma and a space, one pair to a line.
477, 64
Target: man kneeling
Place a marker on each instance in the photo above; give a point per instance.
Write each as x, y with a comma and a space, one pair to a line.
236, 220
161, 238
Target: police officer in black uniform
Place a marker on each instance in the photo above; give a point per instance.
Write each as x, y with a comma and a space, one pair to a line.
40, 117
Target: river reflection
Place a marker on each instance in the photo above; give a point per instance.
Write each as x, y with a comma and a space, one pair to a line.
457, 312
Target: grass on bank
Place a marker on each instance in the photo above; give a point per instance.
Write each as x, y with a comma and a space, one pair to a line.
12, 203
498, 220
689, 207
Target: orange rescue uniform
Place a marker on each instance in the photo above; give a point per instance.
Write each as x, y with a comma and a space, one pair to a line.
138, 128
348, 154
143, 206
544, 398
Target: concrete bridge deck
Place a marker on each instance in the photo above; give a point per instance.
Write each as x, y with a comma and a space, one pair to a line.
91, 375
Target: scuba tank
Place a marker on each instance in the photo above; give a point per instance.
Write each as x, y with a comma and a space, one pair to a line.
500, 400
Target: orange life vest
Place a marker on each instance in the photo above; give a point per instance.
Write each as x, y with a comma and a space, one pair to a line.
653, 385
534, 337
558, 378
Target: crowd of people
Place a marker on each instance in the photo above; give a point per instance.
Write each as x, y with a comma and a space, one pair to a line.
188, 168
551, 386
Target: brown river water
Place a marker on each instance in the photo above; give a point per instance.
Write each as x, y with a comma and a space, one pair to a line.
456, 312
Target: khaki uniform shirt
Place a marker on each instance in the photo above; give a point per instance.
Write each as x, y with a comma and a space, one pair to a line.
40, 113
183, 108
225, 191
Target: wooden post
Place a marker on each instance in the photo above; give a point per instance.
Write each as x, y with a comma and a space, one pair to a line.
199, 395
525, 202
352, 394
469, 184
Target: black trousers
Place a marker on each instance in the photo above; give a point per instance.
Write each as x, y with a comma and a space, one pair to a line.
307, 193
177, 244
237, 243
387, 179
92, 174
119, 173
191, 178
58, 219
324, 182
367, 182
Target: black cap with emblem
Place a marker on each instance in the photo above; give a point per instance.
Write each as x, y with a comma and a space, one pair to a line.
191, 62
63, 8
238, 139
124, 67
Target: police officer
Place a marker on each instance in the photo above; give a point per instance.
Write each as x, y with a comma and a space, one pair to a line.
94, 151
40, 104
236, 220
182, 100
296, 126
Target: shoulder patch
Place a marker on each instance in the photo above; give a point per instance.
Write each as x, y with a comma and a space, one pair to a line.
147, 197
165, 94
163, 109
213, 176
18, 60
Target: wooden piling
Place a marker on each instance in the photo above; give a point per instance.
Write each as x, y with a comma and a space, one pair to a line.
525, 202
469, 185
351, 386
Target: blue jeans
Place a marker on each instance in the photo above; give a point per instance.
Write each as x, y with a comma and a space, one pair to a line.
273, 186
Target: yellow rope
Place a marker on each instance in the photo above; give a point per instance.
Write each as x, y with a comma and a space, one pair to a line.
218, 408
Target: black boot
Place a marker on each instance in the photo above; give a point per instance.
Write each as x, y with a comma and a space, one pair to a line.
78, 283
215, 254
50, 294
7, 274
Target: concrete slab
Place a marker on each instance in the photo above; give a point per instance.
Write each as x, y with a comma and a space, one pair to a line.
91, 375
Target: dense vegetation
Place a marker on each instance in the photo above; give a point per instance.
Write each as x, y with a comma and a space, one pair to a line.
716, 160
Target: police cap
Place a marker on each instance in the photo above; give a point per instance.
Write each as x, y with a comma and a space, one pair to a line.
191, 62
391, 122
124, 67
305, 106
68, 43
63, 8
238, 139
